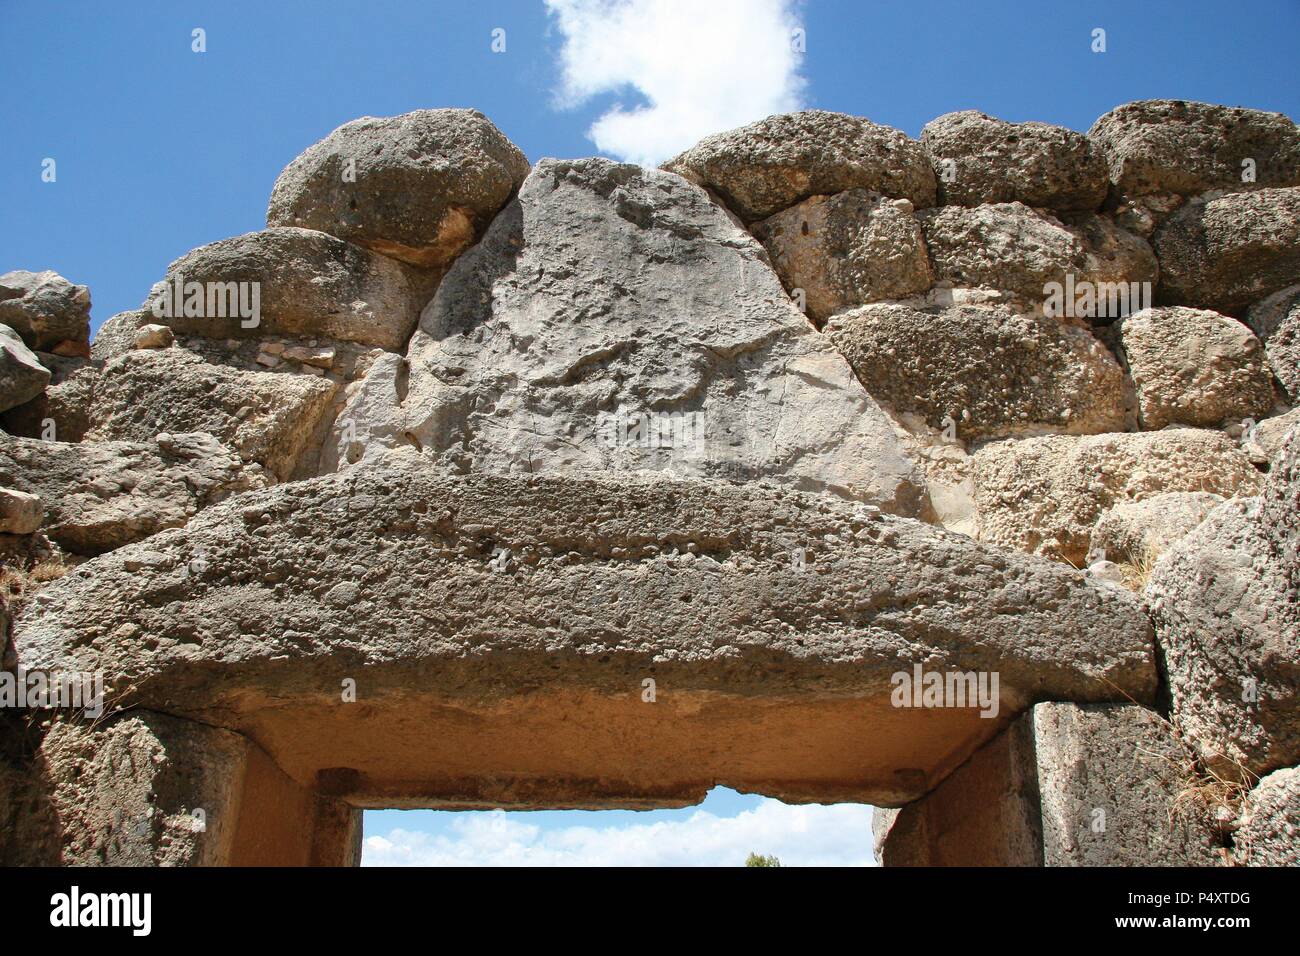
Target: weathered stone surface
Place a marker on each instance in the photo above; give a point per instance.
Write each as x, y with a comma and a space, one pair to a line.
419, 187
847, 249
1269, 833
62, 411
992, 372
1182, 147
1224, 601
268, 417
1064, 785
1194, 367
22, 376
101, 495
1044, 495
1012, 247
153, 336
995, 161
148, 789
1264, 442
46, 310
1141, 531
117, 334
125, 794
20, 512
1276, 320
1123, 760
606, 293
1225, 252
767, 166
311, 284
483, 594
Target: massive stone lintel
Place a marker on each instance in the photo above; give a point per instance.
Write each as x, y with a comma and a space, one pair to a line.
500, 632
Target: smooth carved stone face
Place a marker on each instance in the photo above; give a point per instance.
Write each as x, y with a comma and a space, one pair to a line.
501, 632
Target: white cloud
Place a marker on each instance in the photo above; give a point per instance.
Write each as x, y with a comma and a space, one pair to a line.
703, 66
837, 835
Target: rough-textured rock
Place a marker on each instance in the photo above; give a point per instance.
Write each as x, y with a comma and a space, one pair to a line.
117, 334
49, 312
1194, 367
153, 336
125, 794
62, 411
767, 166
607, 293
991, 372
148, 789
1186, 148
22, 376
1012, 247
1269, 833
1065, 785
268, 417
20, 512
1124, 761
994, 161
1276, 320
309, 283
452, 595
101, 495
1044, 495
1225, 252
419, 187
1141, 531
1263, 442
1224, 601
847, 249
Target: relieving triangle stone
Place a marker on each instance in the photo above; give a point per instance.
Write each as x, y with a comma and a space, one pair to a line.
614, 319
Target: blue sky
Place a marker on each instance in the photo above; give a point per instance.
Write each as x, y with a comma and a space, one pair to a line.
160, 149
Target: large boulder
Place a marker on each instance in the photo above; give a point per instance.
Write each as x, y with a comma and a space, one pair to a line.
1269, 831
1044, 495
419, 187
1140, 531
1224, 601
1225, 252
767, 166
1064, 785
1186, 148
49, 312
306, 283
1194, 367
846, 250
1012, 247
613, 318
1276, 320
269, 417
980, 159
467, 601
22, 376
993, 372
62, 411
98, 496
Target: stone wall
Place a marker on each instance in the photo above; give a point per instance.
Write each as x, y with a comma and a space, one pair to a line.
473, 483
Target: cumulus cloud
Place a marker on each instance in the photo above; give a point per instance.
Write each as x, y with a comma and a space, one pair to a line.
837, 835
701, 67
